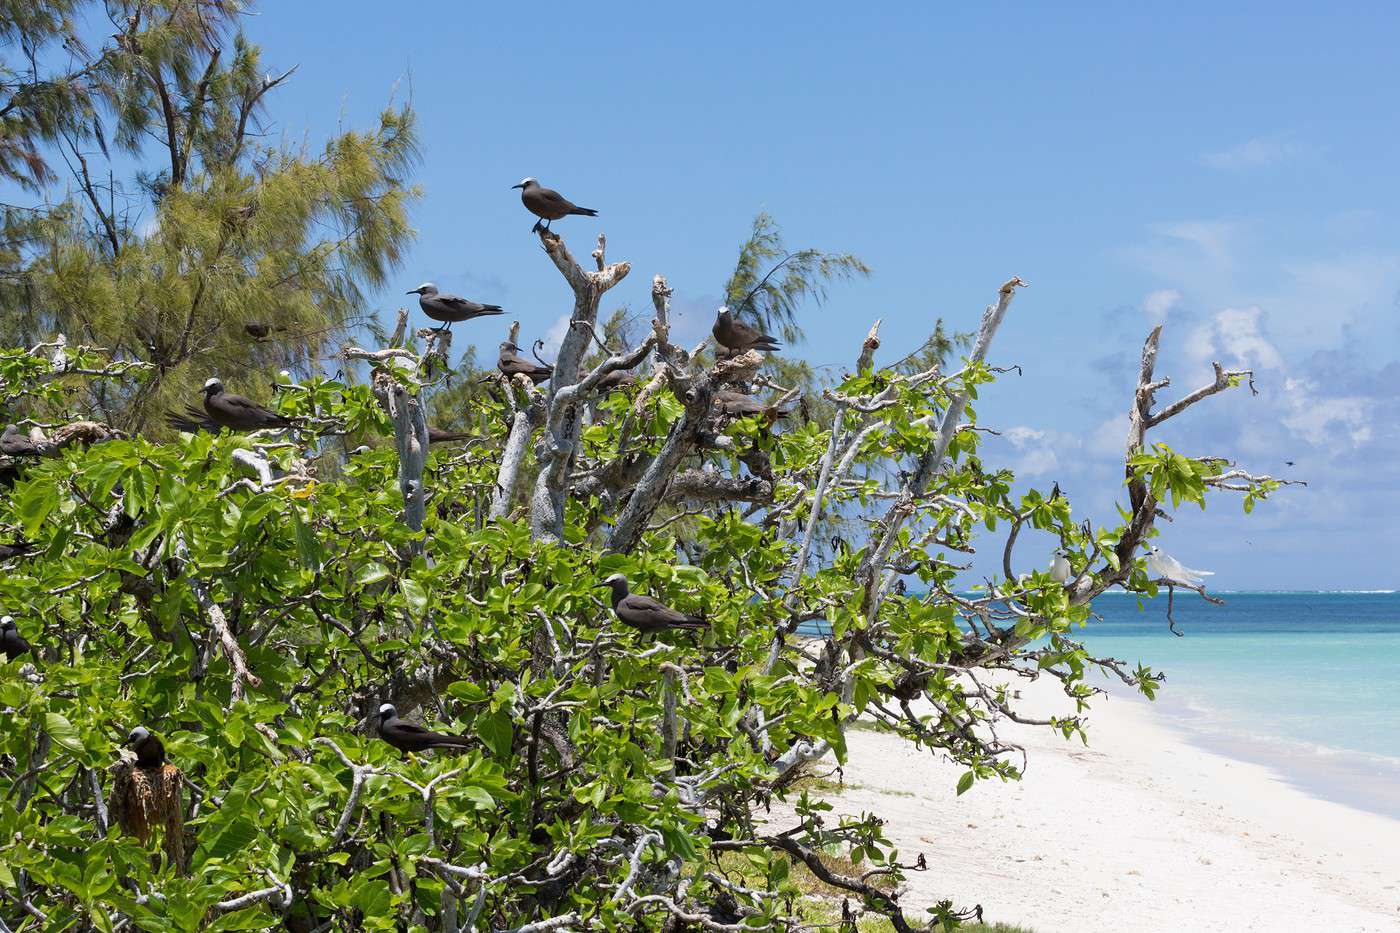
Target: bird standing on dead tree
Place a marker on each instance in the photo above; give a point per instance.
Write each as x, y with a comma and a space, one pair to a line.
738, 405
14, 443
238, 413
12, 643
408, 737
548, 204
449, 309
737, 336
439, 436
645, 614
511, 363
150, 752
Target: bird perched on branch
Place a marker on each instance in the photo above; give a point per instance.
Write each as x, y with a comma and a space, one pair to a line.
437, 436
14, 443
738, 405
15, 549
617, 379
1169, 568
737, 336
237, 413
449, 309
150, 752
12, 643
511, 363
1060, 570
645, 614
548, 204
408, 737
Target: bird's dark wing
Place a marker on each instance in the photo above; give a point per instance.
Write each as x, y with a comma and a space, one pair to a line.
647, 612
553, 199
250, 411
190, 421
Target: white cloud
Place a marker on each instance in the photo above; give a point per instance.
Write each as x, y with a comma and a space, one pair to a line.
1036, 448
1312, 417
557, 332
1159, 303
1212, 237
1254, 153
1110, 438
1234, 336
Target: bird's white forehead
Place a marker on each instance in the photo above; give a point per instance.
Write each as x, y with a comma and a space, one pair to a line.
139, 732
616, 578
527, 180
211, 382
426, 285
7, 620
386, 709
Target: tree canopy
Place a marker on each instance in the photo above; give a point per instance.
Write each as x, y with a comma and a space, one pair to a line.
161, 223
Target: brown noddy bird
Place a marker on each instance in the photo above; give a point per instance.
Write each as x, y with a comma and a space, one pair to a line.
615, 380
512, 363
150, 752
14, 443
12, 643
738, 336
236, 412
15, 549
437, 436
646, 614
738, 405
258, 330
409, 737
548, 204
449, 309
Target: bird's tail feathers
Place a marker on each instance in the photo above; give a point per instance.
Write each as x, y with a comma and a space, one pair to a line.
585, 211
492, 309
453, 741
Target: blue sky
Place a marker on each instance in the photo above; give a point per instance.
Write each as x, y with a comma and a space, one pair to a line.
1232, 173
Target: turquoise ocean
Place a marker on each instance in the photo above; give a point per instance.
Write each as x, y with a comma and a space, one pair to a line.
1304, 683
1307, 684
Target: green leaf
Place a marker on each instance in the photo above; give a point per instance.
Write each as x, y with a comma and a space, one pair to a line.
965, 782
63, 732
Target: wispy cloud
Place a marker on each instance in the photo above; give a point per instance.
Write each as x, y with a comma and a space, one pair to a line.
1157, 305
1259, 152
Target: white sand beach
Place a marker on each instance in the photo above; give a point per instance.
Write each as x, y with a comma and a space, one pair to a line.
1139, 831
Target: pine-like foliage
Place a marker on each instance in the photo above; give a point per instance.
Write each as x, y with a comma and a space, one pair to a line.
163, 223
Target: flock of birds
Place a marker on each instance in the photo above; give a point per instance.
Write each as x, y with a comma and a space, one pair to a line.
222, 409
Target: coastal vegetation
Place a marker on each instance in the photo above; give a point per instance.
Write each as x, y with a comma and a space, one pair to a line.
255, 598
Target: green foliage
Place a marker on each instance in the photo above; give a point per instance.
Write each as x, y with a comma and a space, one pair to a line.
214, 229
770, 283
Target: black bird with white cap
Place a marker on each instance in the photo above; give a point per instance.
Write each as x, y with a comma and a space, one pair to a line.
449, 309
236, 412
150, 751
548, 204
12, 643
409, 737
645, 614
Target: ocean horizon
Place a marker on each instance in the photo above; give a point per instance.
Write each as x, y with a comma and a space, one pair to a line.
1303, 682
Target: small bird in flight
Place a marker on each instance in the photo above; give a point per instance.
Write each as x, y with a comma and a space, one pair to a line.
548, 204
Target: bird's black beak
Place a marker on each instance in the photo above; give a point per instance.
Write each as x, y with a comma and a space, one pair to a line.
413, 291
517, 186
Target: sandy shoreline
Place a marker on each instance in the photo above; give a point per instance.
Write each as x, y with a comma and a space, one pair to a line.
1139, 831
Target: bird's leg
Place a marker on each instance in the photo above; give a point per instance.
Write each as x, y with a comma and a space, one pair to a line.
536, 227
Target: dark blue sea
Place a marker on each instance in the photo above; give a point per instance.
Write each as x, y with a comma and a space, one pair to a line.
1305, 683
